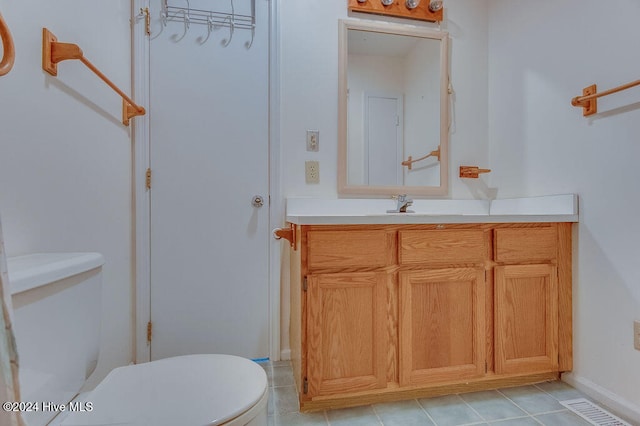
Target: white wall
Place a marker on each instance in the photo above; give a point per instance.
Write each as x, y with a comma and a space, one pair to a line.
541, 55
309, 89
65, 158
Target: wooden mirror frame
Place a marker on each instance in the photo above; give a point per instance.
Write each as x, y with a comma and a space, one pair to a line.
344, 189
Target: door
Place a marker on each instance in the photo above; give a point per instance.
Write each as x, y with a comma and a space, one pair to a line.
383, 138
209, 158
526, 319
347, 335
442, 316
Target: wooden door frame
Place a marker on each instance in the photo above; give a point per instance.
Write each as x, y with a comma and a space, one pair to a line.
141, 235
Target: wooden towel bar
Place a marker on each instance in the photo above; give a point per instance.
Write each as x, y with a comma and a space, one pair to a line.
589, 99
409, 161
54, 52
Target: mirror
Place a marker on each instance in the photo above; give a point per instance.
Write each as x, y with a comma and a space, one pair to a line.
393, 110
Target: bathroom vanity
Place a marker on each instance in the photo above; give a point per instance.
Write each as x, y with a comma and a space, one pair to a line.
448, 300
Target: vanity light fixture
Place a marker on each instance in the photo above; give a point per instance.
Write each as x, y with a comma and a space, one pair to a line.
422, 10
435, 5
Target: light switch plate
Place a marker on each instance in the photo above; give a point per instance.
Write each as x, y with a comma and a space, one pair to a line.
636, 335
313, 140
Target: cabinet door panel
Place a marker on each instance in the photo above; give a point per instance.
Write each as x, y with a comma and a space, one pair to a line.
442, 325
526, 319
346, 332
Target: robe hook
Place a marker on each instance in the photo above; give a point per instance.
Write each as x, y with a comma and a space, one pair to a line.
210, 28
187, 16
248, 44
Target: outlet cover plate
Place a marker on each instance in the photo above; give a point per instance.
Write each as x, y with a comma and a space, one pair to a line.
636, 335
311, 172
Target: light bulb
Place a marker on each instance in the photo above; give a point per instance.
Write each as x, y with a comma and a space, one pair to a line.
412, 4
435, 5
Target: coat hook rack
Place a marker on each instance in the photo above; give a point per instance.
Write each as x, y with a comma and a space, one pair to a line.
8, 49
54, 52
212, 19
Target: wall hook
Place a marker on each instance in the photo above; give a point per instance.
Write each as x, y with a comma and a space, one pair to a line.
210, 27
187, 17
248, 44
232, 23
164, 14
226, 42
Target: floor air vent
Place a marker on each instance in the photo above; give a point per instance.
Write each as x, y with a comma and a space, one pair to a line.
592, 413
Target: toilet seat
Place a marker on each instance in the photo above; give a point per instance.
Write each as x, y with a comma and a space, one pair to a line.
197, 390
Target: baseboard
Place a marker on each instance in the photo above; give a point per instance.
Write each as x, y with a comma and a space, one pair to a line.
620, 406
285, 355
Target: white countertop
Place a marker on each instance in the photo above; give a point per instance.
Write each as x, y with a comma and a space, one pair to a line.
343, 211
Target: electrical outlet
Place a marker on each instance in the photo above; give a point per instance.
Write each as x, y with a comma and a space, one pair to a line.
636, 335
313, 140
311, 172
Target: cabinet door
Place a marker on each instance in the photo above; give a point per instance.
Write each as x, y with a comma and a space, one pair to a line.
526, 319
347, 336
442, 331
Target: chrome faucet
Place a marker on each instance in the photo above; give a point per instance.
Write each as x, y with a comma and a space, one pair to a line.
403, 202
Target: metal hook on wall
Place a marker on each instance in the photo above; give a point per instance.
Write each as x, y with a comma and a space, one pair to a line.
248, 44
232, 24
210, 27
164, 12
187, 17
225, 42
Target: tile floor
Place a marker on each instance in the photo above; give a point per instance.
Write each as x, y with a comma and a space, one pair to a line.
521, 406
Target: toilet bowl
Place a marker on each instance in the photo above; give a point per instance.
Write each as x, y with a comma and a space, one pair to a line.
56, 301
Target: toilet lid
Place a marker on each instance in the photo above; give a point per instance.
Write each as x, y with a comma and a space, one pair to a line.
186, 390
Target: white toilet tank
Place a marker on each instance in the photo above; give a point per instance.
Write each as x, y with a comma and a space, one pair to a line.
56, 303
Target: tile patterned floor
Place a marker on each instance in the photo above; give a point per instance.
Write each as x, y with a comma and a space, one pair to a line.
522, 406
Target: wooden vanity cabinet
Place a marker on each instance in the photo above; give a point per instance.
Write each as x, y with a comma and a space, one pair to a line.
387, 312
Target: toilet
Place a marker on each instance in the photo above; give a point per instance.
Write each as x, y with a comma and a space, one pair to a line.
56, 305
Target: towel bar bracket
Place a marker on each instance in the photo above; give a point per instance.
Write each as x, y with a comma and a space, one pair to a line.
589, 106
